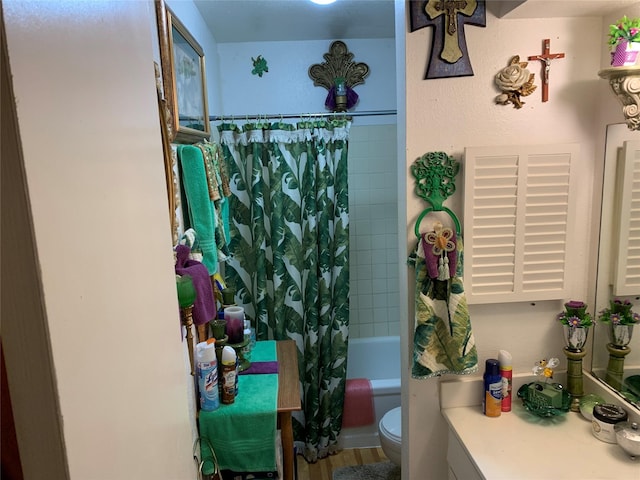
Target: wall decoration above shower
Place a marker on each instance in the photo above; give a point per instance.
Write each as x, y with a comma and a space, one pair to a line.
260, 66
339, 74
183, 77
514, 81
449, 56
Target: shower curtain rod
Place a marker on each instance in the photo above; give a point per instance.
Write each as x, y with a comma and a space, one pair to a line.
364, 113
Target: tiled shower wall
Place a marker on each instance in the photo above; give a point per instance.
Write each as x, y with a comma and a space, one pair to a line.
373, 231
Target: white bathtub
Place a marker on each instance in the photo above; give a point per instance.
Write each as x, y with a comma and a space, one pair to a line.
378, 359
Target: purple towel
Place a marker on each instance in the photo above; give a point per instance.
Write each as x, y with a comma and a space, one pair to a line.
261, 367
204, 307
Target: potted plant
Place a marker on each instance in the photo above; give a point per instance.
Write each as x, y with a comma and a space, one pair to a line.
620, 319
575, 321
624, 39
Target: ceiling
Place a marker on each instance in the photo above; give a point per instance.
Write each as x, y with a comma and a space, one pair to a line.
291, 20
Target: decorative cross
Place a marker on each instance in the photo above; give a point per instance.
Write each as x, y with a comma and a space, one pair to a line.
449, 57
546, 57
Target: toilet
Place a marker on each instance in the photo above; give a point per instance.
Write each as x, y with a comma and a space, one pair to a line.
390, 431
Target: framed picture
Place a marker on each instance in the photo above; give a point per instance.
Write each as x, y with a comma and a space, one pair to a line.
183, 78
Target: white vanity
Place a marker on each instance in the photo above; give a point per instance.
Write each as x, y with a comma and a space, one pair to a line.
519, 445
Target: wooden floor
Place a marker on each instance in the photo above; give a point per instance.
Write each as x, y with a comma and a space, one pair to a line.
323, 468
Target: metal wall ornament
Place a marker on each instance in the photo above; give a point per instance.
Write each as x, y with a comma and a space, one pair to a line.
514, 81
339, 74
260, 66
449, 56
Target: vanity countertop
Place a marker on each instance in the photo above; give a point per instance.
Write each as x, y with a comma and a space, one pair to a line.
520, 445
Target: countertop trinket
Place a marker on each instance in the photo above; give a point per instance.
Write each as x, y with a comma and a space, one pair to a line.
605, 417
628, 437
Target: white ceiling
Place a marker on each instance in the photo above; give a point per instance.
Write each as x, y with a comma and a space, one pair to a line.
291, 20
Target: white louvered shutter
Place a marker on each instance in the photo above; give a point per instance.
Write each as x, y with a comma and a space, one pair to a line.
627, 271
518, 222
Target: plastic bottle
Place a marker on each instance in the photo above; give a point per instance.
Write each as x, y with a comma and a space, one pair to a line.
506, 373
229, 375
491, 404
207, 368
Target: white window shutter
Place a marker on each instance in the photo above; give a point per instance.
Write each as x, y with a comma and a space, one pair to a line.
518, 222
627, 269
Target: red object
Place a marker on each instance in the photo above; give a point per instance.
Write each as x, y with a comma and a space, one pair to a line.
546, 58
507, 376
358, 403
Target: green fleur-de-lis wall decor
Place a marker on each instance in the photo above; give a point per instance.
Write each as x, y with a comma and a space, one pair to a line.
259, 66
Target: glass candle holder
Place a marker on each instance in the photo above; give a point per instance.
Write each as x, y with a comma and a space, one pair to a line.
186, 291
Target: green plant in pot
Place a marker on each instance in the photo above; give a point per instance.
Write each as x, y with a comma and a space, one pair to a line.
620, 320
624, 39
575, 321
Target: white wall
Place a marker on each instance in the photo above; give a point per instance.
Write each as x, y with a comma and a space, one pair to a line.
450, 114
86, 103
287, 87
373, 231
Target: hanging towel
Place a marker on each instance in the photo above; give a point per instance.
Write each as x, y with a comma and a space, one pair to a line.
204, 307
443, 341
358, 403
201, 213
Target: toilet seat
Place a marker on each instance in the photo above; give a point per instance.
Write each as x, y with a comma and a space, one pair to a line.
390, 432
391, 425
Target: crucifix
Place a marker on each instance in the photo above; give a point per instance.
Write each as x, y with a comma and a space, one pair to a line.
449, 57
546, 58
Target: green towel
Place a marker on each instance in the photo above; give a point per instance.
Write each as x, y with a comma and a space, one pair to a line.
243, 434
443, 341
201, 211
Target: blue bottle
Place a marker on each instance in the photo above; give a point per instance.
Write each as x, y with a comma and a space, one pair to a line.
492, 401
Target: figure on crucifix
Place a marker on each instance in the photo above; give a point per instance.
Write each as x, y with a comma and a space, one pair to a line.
449, 56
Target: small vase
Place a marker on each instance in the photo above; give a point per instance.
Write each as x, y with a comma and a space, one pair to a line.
625, 54
620, 335
575, 337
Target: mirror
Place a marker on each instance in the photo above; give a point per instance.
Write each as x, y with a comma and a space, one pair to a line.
610, 365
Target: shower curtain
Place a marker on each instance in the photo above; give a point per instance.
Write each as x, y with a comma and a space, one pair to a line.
289, 255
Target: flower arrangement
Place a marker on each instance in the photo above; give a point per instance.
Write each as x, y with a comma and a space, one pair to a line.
625, 30
619, 313
575, 315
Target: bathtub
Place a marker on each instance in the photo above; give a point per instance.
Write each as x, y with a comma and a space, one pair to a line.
378, 359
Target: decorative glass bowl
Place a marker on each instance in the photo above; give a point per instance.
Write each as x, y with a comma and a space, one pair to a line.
545, 399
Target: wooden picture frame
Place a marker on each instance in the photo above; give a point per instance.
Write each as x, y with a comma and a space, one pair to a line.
183, 78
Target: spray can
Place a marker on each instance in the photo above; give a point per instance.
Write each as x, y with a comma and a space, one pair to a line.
207, 368
491, 404
229, 376
506, 373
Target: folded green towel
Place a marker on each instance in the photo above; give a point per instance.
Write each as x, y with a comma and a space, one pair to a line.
201, 212
243, 434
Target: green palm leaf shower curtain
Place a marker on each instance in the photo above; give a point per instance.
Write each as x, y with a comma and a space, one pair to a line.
289, 260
